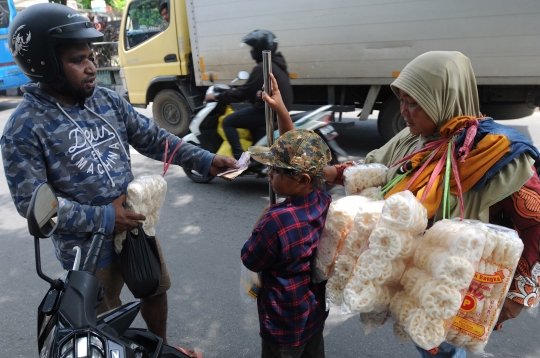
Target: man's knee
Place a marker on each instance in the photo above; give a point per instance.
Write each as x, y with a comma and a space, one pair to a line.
110, 277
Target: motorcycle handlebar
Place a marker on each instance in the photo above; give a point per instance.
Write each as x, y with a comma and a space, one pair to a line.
92, 258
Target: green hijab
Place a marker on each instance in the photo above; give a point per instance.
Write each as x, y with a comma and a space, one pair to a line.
444, 85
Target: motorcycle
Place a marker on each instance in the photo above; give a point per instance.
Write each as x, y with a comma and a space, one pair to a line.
204, 131
68, 326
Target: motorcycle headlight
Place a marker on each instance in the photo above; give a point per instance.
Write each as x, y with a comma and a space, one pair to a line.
83, 345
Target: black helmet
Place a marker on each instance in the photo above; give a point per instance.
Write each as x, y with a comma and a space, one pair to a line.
260, 40
35, 32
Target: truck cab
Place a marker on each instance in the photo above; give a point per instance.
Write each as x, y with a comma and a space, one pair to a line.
154, 58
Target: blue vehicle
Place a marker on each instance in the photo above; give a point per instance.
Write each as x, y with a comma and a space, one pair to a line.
11, 75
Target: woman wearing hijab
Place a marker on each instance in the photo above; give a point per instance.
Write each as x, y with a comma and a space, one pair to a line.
498, 181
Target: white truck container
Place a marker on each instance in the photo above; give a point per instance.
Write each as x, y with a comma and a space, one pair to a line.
347, 52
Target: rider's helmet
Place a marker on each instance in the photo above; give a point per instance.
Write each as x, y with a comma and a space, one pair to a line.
260, 40
35, 32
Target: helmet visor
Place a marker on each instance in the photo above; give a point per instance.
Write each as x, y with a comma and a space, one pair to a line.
78, 32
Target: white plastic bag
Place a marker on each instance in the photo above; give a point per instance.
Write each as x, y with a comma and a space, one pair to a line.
250, 284
145, 196
359, 177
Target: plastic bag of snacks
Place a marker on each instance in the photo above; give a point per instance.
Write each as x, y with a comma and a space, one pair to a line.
350, 250
379, 268
359, 177
145, 195
365, 221
373, 193
372, 321
339, 221
482, 304
250, 284
437, 279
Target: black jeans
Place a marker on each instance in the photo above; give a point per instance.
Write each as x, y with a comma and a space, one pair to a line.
314, 348
250, 118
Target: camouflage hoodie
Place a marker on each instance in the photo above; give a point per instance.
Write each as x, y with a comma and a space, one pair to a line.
84, 154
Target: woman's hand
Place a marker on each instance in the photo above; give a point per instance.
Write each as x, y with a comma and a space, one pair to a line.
124, 220
510, 309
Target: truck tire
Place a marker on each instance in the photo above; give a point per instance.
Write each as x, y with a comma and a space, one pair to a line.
390, 121
507, 110
172, 112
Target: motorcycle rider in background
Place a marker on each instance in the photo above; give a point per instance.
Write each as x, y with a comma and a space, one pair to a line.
253, 117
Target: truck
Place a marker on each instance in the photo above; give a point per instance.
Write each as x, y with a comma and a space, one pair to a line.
11, 76
343, 52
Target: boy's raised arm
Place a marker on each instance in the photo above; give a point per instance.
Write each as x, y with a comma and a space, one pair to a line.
275, 102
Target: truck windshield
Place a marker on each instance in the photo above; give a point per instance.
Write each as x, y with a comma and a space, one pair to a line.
145, 19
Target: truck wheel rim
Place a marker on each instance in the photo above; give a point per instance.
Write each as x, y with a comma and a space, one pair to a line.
171, 114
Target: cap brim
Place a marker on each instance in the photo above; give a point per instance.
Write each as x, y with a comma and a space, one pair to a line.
266, 157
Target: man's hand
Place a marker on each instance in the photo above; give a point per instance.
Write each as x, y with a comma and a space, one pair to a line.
210, 97
124, 220
510, 309
221, 163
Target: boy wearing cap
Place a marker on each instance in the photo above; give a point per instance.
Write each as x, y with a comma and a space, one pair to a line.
291, 307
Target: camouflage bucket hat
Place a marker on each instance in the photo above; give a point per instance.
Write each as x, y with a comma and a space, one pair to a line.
301, 150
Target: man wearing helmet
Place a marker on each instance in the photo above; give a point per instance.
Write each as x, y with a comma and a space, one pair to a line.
253, 117
76, 136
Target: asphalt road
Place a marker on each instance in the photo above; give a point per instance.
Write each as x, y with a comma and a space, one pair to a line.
202, 229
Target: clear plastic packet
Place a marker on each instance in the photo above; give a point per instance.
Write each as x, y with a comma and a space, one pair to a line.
481, 306
250, 284
403, 212
378, 270
399, 332
145, 195
373, 193
359, 177
373, 321
349, 252
436, 280
366, 219
339, 221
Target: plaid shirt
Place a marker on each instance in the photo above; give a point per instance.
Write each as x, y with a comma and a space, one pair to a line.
291, 307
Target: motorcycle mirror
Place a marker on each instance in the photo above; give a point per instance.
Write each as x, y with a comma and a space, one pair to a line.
42, 211
243, 75
211, 77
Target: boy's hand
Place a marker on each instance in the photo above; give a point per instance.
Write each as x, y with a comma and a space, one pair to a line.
221, 163
274, 101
